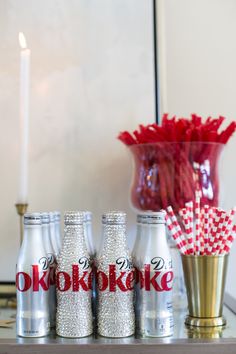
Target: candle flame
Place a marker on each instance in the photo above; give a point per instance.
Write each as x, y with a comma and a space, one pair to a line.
22, 40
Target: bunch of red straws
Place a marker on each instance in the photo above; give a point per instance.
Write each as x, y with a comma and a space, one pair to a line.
180, 130
206, 231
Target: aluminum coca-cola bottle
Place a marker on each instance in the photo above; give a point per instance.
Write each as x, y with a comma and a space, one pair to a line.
74, 281
137, 243
115, 280
57, 216
53, 235
32, 281
52, 267
154, 277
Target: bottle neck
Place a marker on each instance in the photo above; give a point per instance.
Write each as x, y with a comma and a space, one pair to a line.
89, 238
153, 233
53, 237
33, 232
52, 229
57, 226
114, 237
137, 237
74, 238
153, 228
47, 239
33, 238
46, 233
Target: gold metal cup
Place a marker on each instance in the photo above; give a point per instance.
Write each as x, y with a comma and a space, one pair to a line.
205, 284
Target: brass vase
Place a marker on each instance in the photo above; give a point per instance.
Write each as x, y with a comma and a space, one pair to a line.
205, 284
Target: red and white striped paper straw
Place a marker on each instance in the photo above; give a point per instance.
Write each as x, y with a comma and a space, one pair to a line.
220, 232
213, 229
202, 240
175, 234
197, 224
226, 229
188, 229
189, 207
175, 223
218, 226
229, 241
206, 225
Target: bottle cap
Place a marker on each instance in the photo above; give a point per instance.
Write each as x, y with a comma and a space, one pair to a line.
114, 218
152, 218
57, 215
51, 216
74, 218
45, 218
32, 219
87, 216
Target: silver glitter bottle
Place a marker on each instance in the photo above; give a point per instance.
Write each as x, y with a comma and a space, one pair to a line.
74, 281
115, 280
88, 233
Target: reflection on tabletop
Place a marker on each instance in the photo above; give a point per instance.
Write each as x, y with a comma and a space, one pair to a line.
7, 318
180, 332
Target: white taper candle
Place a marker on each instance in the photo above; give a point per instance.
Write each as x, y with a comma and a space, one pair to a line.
24, 119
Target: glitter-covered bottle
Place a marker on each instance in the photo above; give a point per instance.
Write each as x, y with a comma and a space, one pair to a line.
88, 233
115, 280
74, 281
91, 251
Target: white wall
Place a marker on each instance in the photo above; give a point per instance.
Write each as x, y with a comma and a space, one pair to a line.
92, 76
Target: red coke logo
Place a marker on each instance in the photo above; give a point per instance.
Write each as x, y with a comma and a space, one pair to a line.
113, 280
157, 280
80, 278
82, 281
76, 281
119, 277
157, 275
40, 280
